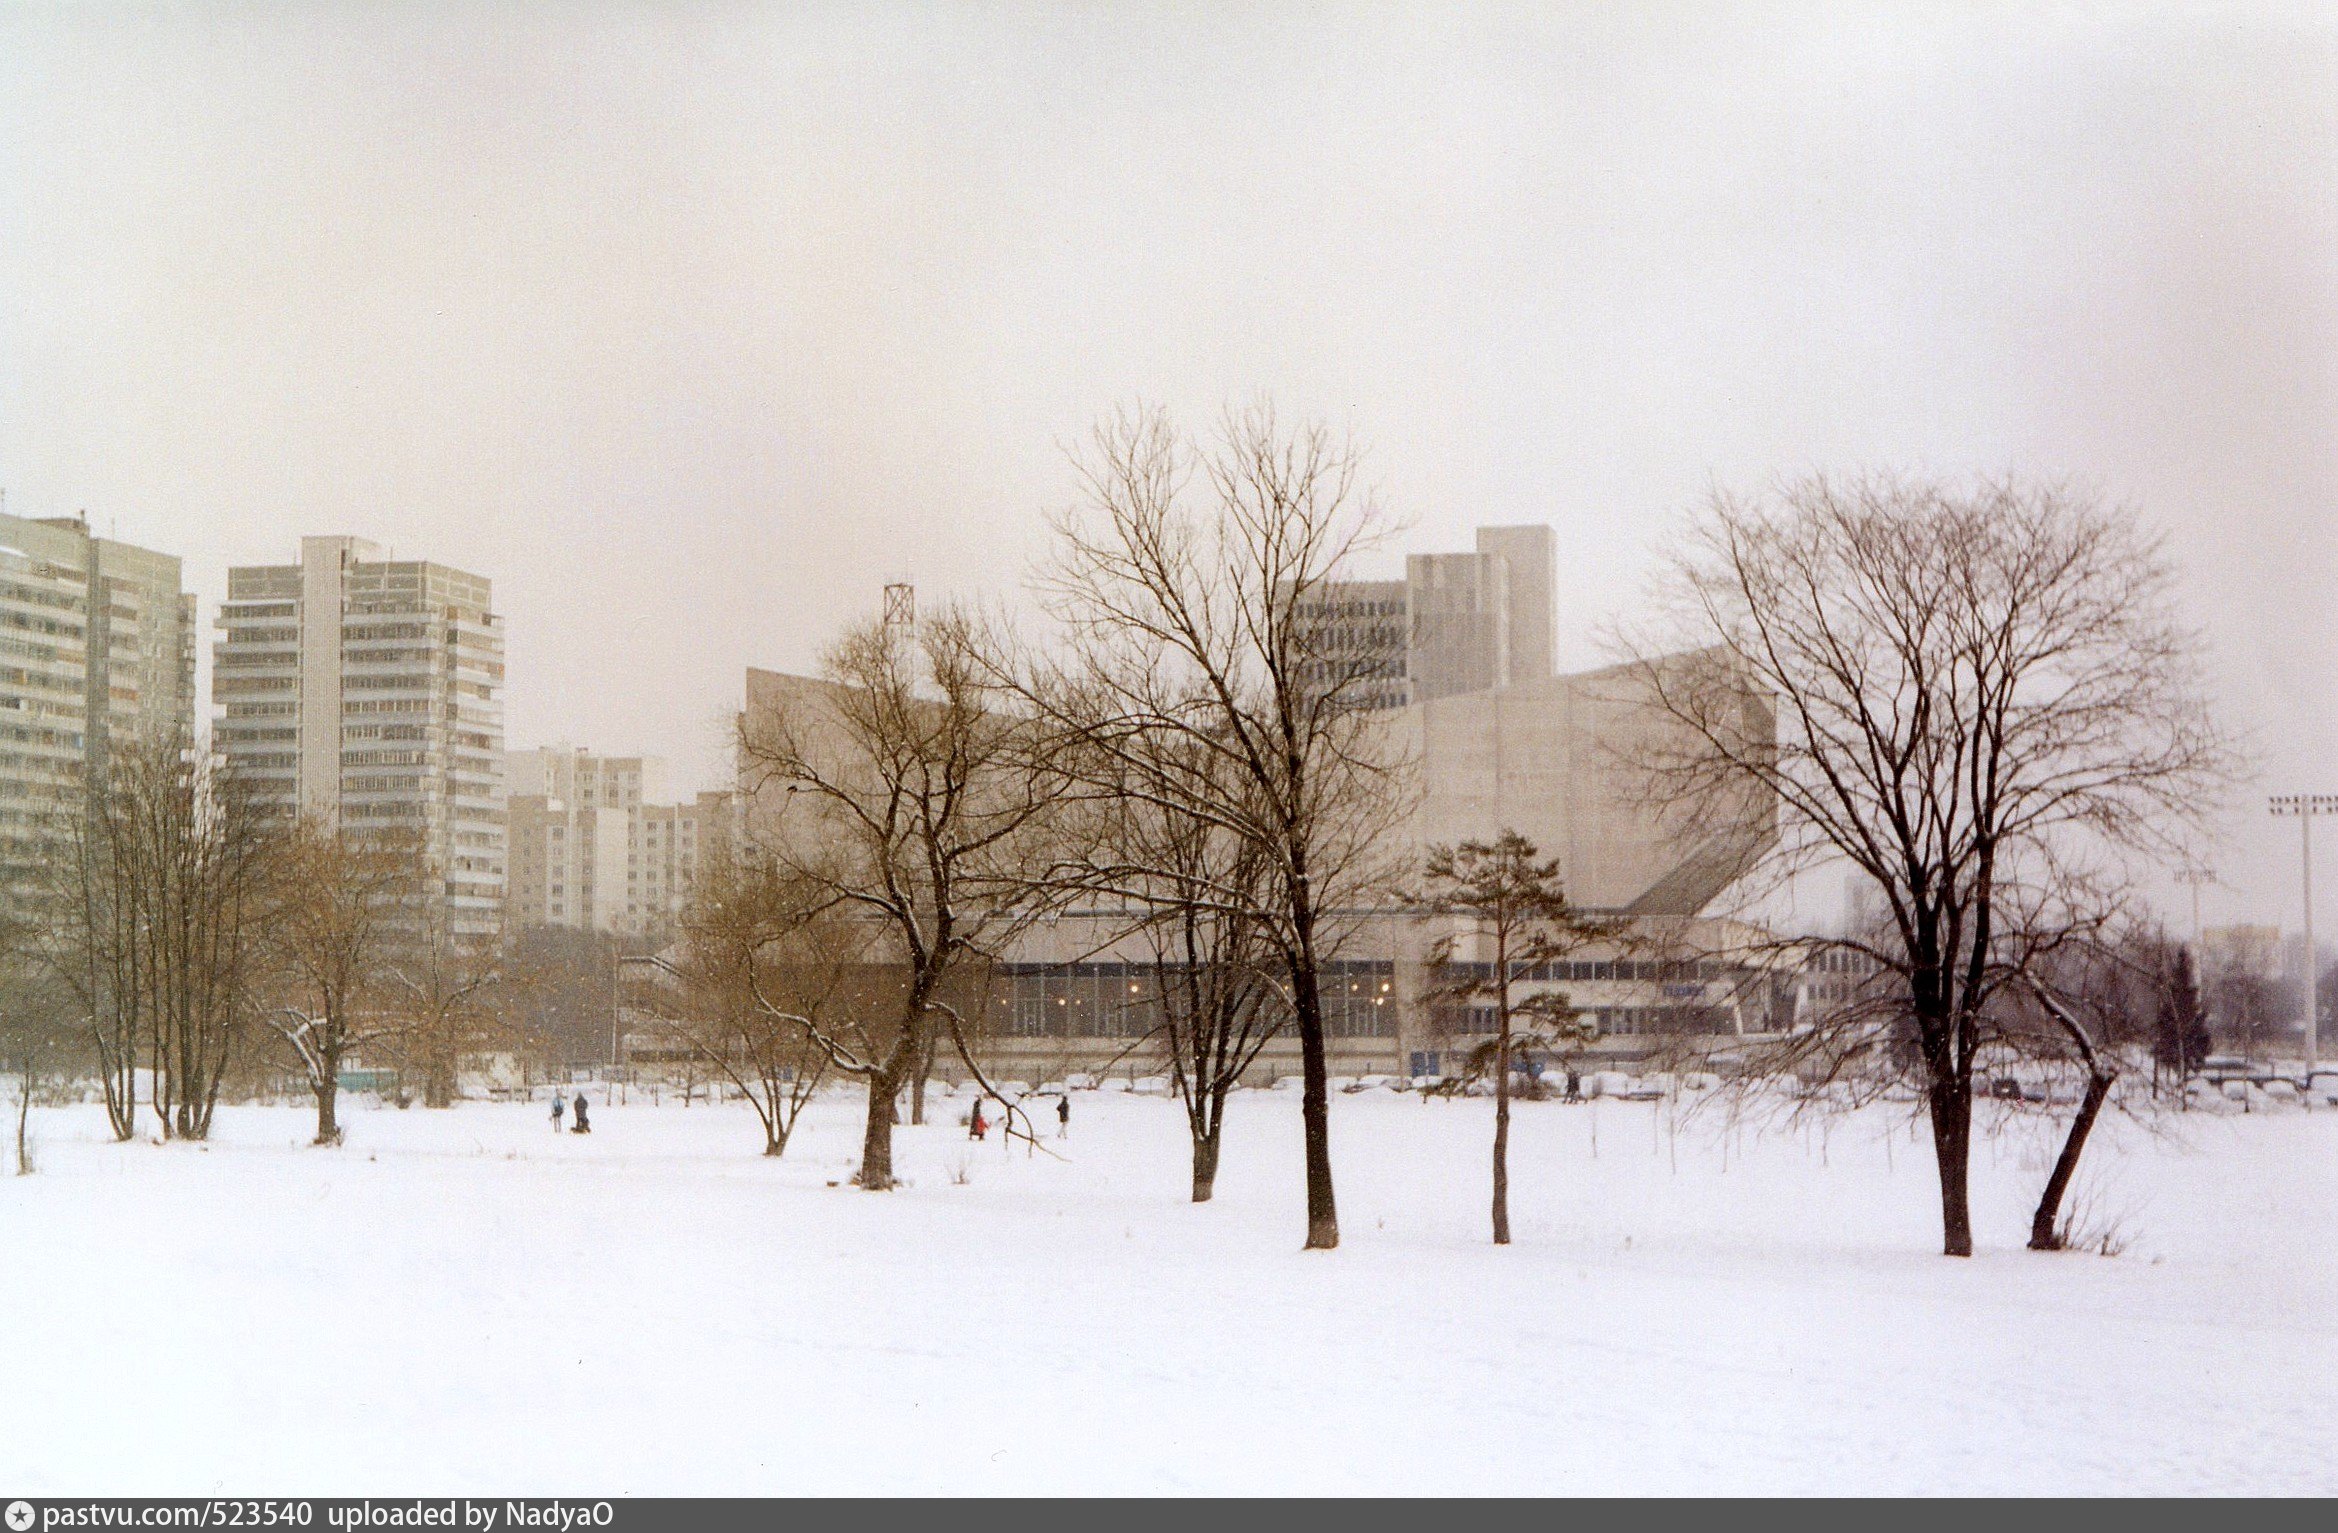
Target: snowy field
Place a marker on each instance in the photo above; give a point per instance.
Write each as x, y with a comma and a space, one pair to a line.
459, 1302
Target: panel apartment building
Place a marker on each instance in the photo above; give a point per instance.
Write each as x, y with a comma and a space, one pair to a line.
596, 847
1457, 623
365, 693
97, 648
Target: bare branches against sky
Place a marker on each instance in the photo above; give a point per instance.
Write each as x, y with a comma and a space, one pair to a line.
691, 325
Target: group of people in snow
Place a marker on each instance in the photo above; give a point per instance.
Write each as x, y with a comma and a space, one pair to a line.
978, 1126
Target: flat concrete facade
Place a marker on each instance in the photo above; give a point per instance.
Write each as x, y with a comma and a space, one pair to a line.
1456, 623
1553, 759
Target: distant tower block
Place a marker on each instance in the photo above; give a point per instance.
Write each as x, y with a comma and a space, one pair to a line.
901, 605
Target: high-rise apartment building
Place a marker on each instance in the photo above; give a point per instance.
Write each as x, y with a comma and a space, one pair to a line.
594, 848
1456, 623
97, 648
365, 693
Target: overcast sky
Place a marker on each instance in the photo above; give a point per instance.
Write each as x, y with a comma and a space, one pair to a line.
692, 325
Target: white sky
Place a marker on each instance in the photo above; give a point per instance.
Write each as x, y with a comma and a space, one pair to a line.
691, 325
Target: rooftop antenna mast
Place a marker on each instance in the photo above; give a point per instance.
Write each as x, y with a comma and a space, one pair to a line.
901, 606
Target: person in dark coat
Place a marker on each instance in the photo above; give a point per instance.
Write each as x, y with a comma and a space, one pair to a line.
1063, 1117
584, 1125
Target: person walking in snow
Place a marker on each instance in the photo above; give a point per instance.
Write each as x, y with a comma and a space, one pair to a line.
977, 1125
1063, 1117
584, 1125
559, 1106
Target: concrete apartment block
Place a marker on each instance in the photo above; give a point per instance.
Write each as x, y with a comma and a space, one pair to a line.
364, 693
595, 848
97, 647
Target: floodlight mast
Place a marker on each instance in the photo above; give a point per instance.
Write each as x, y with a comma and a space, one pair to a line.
2305, 806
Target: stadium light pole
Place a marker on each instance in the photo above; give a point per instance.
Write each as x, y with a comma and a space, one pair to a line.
2305, 806
2195, 877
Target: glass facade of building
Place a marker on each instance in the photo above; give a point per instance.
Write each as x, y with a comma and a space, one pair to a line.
1122, 1000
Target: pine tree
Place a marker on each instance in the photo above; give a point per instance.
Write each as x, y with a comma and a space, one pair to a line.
1514, 907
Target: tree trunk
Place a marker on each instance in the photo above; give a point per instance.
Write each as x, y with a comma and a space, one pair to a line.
438, 1084
1502, 1141
328, 1125
925, 1068
876, 1172
23, 1116
1315, 1115
325, 1086
2044, 1236
1952, 1142
1205, 1165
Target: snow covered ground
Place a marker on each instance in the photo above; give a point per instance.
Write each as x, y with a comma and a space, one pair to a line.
459, 1302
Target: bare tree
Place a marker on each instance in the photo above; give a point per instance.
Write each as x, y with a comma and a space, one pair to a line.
1211, 626
210, 848
34, 1026
560, 994
904, 792
1199, 888
343, 904
2250, 1004
152, 910
1513, 909
1973, 696
449, 993
2103, 1003
757, 977
95, 942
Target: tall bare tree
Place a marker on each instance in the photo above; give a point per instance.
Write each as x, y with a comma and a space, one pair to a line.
1974, 696
904, 791
1512, 909
344, 902
1194, 889
152, 914
1216, 625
